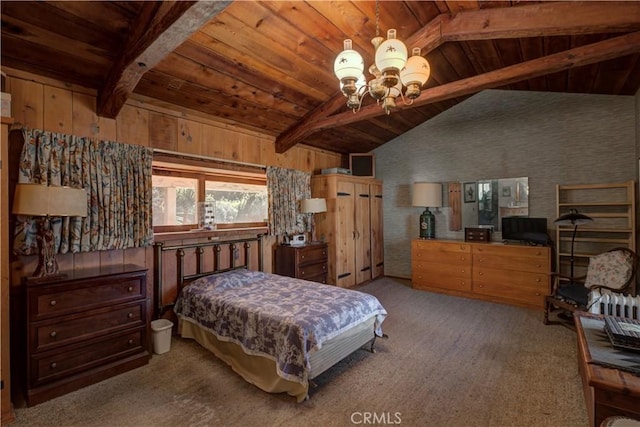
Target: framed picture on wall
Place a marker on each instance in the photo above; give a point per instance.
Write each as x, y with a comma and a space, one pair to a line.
469, 192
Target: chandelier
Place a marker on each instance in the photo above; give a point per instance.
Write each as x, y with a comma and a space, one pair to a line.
394, 75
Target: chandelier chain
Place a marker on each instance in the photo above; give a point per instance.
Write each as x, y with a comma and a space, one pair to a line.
377, 18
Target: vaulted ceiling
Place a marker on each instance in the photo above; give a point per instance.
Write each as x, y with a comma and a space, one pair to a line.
268, 65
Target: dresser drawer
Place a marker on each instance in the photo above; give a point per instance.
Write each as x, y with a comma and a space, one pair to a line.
450, 258
433, 275
530, 288
514, 263
540, 253
58, 300
52, 365
67, 330
430, 247
311, 254
320, 278
311, 270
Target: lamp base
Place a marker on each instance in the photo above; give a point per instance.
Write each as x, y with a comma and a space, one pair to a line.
427, 225
47, 264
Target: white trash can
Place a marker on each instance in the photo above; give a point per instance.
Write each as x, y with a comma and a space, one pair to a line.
161, 335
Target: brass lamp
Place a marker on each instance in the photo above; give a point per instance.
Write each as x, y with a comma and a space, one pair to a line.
313, 206
427, 195
46, 202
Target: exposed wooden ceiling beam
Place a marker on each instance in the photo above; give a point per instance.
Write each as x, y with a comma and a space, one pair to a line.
577, 57
567, 18
159, 29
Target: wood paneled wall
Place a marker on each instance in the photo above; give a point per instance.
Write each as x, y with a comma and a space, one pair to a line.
43, 103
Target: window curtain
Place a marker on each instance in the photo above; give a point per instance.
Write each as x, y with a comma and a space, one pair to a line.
286, 188
117, 178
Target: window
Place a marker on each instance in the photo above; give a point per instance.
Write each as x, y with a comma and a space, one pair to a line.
238, 195
237, 202
174, 200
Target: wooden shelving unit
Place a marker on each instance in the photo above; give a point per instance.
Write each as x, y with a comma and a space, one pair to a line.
613, 209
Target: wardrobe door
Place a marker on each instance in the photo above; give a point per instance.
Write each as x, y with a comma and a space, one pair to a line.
377, 236
345, 235
362, 218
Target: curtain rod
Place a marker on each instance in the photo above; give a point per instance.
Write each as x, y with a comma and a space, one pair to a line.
210, 159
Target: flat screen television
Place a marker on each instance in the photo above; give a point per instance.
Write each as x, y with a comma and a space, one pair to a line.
525, 229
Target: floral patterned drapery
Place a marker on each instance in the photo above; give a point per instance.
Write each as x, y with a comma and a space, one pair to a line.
286, 188
117, 178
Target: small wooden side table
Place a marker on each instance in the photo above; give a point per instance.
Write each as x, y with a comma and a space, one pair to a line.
607, 391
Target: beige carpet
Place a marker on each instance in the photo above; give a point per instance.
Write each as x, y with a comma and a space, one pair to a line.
447, 362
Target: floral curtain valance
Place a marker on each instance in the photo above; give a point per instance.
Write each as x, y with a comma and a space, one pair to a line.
117, 178
287, 187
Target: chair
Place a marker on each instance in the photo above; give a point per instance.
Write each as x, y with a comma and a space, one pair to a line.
614, 270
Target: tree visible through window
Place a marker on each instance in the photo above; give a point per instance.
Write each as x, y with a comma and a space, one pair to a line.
237, 203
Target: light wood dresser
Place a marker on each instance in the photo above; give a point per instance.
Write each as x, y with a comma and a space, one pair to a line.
510, 274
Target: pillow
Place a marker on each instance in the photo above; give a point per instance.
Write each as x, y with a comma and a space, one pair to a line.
610, 269
228, 280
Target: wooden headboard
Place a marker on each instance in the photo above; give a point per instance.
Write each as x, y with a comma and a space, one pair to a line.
195, 260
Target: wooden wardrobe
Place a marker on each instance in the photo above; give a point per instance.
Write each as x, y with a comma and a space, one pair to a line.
352, 227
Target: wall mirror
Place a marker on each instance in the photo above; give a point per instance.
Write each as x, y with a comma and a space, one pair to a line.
487, 201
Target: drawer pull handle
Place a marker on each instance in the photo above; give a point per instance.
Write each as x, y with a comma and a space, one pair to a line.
302, 257
54, 365
130, 315
538, 265
130, 342
53, 334
53, 302
538, 280
481, 273
130, 289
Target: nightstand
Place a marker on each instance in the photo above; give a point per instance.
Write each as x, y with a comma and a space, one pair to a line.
307, 261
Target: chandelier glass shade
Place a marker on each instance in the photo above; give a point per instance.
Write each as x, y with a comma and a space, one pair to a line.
394, 73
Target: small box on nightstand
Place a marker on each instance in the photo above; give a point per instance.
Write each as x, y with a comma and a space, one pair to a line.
477, 234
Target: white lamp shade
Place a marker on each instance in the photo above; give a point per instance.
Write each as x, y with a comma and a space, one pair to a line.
43, 200
348, 64
427, 194
392, 53
417, 70
313, 205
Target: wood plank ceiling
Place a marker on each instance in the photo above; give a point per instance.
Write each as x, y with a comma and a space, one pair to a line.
268, 65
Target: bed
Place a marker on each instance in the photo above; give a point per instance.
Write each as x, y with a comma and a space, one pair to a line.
276, 332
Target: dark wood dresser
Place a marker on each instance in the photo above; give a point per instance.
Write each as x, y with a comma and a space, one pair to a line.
84, 328
307, 261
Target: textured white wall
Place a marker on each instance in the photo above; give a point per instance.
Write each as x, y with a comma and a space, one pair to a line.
552, 138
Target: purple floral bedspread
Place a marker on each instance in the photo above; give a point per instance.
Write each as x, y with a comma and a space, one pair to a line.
275, 316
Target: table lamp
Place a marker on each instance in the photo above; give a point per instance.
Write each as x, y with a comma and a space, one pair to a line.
574, 219
427, 195
313, 206
46, 202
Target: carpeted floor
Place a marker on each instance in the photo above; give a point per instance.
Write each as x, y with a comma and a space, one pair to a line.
447, 362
